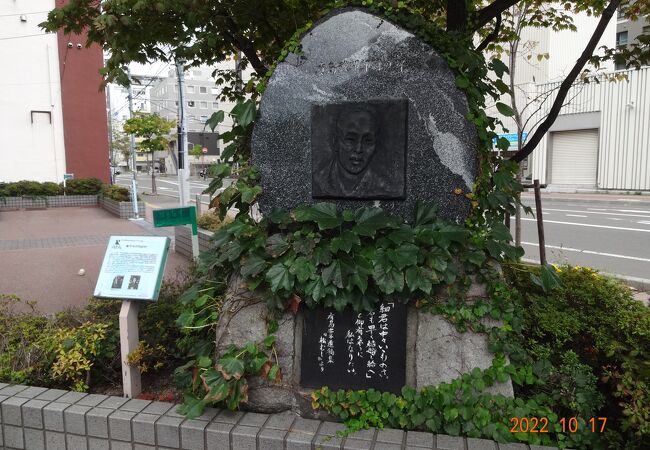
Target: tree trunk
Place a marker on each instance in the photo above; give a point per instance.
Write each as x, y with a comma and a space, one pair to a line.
153, 175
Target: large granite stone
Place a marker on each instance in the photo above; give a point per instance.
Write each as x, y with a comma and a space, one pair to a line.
435, 351
358, 60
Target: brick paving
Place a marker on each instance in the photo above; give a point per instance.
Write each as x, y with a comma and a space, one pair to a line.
53, 242
43, 251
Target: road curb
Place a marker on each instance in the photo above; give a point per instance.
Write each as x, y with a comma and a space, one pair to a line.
620, 202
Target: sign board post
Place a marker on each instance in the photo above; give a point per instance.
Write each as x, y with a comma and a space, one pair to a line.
66, 177
132, 270
171, 217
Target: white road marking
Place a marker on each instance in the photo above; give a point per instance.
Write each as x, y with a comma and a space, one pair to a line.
647, 213
644, 222
614, 218
167, 181
633, 210
589, 225
589, 252
574, 215
164, 188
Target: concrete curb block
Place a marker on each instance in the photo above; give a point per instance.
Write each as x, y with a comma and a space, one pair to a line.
641, 202
42, 418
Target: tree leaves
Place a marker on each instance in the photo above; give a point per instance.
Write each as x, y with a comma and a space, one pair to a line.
252, 265
279, 277
370, 220
505, 110
324, 214
277, 245
547, 279
244, 112
215, 119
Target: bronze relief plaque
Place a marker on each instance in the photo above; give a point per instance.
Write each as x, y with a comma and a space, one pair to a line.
359, 149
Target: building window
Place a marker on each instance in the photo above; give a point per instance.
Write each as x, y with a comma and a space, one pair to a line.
620, 13
203, 90
621, 38
204, 105
190, 89
646, 30
215, 105
204, 119
214, 91
190, 103
619, 66
176, 103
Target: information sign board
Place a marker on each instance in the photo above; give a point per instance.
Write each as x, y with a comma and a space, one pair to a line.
171, 217
133, 267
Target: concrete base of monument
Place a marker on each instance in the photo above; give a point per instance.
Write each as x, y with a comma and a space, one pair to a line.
435, 351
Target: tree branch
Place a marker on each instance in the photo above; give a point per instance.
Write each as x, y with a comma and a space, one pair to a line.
484, 16
245, 46
456, 15
566, 84
490, 37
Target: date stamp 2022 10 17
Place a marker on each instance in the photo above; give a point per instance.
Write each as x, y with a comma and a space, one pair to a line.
567, 424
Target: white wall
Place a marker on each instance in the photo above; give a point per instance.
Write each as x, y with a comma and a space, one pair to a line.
624, 114
29, 81
566, 46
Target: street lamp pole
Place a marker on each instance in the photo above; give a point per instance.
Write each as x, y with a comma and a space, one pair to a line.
183, 172
134, 181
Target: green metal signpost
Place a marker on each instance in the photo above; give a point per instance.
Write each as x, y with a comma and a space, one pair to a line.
171, 217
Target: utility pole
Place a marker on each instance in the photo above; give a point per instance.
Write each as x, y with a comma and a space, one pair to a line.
111, 149
134, 182
183, 172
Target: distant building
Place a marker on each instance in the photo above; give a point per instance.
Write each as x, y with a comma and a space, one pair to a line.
52, 111
627, 31
597, 141
201, 101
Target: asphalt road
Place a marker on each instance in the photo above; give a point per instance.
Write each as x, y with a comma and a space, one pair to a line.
165, 185
609, 233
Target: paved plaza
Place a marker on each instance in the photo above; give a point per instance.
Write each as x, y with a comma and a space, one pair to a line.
42, 252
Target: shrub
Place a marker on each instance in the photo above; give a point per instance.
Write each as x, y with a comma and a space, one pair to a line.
29, 188
597, 339
210, 221
84, 186
117, 193
80, 348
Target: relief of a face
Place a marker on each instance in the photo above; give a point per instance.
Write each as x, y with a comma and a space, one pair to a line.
355, 139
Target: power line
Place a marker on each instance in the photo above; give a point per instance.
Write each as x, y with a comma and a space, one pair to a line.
143, 89
24, 36
24, 14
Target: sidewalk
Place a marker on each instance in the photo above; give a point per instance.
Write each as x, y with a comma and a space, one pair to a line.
42, 252
603, 198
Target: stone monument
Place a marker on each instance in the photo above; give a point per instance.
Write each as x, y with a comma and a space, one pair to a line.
398, 103
366, 115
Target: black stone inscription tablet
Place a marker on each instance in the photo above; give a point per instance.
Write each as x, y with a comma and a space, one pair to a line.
352, 350
359, 149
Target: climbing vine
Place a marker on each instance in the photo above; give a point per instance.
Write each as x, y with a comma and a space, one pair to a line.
321, 256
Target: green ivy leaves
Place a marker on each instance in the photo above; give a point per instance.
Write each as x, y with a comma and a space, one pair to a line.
352, 258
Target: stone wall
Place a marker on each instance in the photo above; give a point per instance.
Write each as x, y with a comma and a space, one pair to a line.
53, 419
435, 351
183, 240
53, 201
123, 210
